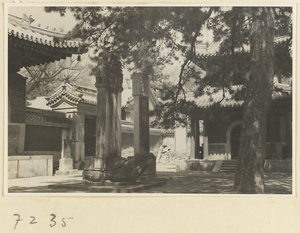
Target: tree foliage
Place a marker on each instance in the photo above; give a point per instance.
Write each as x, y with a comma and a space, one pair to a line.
147, 39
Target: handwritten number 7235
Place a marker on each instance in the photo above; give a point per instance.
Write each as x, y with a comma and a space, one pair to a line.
53, 220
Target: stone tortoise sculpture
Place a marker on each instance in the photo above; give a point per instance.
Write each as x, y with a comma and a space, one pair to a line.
119, 169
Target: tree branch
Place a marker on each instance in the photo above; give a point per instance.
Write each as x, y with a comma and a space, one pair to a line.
192, 52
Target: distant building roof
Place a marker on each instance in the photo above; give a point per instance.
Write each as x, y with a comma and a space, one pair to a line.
214, 95
211, 49
74, 94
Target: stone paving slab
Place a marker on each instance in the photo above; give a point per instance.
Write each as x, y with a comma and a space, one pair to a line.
195, 182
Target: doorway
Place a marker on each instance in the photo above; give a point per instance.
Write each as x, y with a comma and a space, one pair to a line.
235, 141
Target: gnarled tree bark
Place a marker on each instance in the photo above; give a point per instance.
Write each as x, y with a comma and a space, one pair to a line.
250, 175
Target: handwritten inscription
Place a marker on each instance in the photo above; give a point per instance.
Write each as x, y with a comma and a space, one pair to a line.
53, 220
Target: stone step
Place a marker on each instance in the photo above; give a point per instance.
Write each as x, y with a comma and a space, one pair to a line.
230, 162
229, 166
160, 167
228, 171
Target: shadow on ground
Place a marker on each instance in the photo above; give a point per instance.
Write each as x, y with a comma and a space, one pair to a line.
187, 182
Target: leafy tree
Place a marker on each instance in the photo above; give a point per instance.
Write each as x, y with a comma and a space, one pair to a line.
43, 79
151, 37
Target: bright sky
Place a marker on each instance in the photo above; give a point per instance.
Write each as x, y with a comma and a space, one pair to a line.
52, 20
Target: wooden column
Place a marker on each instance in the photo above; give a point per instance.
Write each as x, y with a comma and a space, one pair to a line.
197, 137
141, 113
108, 119
193, 141
205, 141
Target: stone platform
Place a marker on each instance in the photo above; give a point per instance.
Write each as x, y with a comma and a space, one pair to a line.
25, 166
109, 187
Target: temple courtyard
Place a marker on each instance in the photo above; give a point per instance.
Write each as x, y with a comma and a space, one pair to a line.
181, 182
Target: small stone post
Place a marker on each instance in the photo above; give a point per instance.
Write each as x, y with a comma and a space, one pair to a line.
66, 161
78, 139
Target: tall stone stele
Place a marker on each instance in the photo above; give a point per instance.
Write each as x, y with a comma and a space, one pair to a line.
141, 92
109, 80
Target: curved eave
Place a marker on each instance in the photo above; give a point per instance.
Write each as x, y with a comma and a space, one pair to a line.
41, 41
59, 101
28, 51
86, 101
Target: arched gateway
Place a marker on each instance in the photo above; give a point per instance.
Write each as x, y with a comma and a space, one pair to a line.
232, 138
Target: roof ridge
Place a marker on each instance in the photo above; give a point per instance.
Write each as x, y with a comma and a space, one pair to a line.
13, 19
64, 44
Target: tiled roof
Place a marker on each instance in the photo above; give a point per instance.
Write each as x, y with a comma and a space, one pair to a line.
214, 95
20, 28
30, 45
45, 116
211, 50
74, 94
65, 92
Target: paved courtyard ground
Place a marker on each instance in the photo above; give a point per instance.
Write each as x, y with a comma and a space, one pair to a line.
184, 182
218, 183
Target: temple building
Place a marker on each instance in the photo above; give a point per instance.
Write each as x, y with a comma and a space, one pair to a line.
216, 120
30, 45
57, 133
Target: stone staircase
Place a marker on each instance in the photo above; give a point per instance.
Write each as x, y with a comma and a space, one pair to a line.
229, 166
165, 167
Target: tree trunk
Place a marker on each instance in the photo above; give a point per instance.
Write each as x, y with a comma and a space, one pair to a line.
250, 174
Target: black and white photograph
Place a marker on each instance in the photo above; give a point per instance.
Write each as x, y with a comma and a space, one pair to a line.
135, 100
